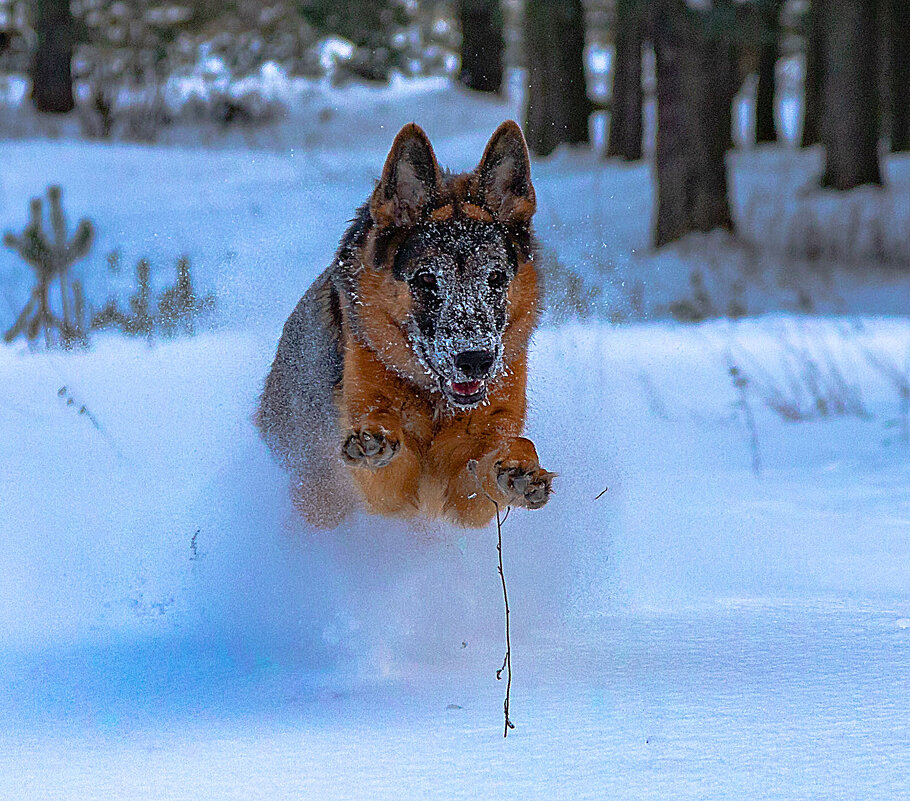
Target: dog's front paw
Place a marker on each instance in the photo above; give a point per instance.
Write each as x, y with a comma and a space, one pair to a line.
370, 449
524, 483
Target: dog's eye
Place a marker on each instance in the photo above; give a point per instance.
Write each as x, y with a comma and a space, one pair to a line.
497, 279
425, 280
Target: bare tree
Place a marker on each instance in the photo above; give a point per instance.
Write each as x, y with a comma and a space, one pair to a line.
626, 107
693, 121
768, 54
52, 85
850, 90
900, 74
558, 106
482, 45
812, 82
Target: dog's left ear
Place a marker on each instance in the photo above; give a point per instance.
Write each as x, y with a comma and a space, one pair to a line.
504, 174
410, 180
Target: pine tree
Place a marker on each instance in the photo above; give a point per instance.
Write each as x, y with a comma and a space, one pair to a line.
482, 45
812, 82
52, 86
850, 89
50, 255
175, 311
370, 24
625, 135
900, 75
693, 120
558, 106
769, 52
179, 306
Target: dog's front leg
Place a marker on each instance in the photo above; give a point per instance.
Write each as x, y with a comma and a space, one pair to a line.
497, 466
510, 473
505, 464
384, 462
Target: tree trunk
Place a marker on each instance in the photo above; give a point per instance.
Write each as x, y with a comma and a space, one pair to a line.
769, 52
52, 85
718, 28
812, 80
900, 75
885, 39
850, 88
626, 106
482, 45
558, 106
691, 140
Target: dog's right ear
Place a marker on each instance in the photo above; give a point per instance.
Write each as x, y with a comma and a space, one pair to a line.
410, 180
505, 176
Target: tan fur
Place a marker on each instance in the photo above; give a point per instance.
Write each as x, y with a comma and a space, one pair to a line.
380, 392
475, 212
385, 390
429, 474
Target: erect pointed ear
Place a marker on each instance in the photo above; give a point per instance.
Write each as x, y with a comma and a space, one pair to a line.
505, 175
410, 180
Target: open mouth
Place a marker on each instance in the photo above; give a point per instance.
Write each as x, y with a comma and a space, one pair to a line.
466, 393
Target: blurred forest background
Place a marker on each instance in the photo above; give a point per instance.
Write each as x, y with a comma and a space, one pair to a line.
131, 69
683, 86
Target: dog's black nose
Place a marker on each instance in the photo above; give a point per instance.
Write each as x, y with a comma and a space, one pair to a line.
475, 363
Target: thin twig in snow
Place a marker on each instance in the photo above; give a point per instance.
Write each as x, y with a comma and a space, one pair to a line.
507, 659
741, 384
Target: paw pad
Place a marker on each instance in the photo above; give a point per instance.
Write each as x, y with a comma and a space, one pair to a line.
372, 449
524, 485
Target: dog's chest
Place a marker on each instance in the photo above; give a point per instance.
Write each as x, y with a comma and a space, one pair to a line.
428, 425
417, 421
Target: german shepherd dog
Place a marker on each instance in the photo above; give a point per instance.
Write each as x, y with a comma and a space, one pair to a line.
407, 358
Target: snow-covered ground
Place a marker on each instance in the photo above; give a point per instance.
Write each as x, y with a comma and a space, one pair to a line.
169, 629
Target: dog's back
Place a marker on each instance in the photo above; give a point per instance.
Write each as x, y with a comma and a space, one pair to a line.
298, 416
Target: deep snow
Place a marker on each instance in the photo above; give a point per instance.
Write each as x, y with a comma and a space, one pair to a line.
169, 629
696, 631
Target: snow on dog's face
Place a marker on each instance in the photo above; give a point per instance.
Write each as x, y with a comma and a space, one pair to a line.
458, 274
455, 247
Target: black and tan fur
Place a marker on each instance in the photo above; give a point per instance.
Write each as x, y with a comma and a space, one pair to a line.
407, 357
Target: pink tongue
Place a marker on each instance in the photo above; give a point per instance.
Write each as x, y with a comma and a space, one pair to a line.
466, 387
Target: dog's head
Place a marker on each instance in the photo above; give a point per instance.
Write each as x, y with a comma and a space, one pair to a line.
458, 251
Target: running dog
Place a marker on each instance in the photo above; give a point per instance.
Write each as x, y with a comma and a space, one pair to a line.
400, 378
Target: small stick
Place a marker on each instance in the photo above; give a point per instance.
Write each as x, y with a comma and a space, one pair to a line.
741, 383
84, 411
507, 659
